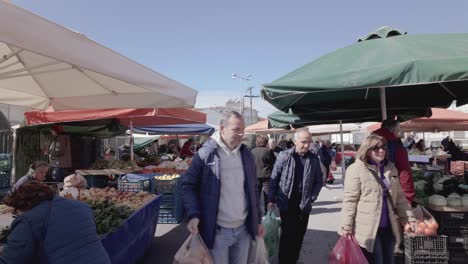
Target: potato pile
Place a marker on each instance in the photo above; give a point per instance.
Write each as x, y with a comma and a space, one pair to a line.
120, 198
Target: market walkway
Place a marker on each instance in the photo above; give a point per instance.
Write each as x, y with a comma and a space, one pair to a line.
319, 239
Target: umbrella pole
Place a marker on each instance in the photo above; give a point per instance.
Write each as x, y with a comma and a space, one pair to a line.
343, 163
132, 155
383, 103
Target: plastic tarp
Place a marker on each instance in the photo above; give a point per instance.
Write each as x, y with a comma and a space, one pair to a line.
45, 64
192, 129
133, 238
139, 117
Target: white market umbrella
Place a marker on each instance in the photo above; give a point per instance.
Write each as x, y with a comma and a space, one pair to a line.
42, 64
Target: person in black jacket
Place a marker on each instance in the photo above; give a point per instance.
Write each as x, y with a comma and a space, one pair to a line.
325, 157
264, 161
295, 184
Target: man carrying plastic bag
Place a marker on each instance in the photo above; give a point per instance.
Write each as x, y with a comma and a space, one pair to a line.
220, 194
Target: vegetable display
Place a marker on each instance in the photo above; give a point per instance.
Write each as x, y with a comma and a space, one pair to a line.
4, 233
110, 206
108, 215
131, 199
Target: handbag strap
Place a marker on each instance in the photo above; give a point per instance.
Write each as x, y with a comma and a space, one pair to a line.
385, 189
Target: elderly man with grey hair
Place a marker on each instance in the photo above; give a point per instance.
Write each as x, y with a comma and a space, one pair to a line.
221, 195
295, 184
273, 145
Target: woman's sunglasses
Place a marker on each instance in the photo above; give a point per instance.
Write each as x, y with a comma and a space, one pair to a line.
377, 148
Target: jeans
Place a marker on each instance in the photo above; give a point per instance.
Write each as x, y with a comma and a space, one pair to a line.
293, 228
383, 248
231, 245
59, 174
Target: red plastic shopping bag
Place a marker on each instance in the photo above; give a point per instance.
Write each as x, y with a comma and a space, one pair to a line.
347, 251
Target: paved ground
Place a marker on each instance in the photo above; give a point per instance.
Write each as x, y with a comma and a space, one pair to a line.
319, 239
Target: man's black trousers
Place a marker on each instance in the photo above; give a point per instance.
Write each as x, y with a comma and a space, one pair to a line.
293, 227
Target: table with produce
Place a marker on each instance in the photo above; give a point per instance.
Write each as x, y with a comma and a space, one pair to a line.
126, 221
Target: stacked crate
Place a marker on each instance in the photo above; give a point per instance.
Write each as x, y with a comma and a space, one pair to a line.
425, 249
455, 226
128, 186
172, 211
5, 170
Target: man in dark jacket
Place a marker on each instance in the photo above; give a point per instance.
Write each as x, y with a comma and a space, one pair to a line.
295, 183
325, 157
264, 160
397, 154
220, 193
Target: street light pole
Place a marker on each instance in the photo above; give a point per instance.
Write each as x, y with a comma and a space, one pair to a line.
241, 99
251, 106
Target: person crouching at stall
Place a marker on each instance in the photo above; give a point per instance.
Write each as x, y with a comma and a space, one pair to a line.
374, 202
37, 172
51, 229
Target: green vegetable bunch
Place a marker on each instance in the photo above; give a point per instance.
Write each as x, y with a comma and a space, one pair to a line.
108, 216
4, 233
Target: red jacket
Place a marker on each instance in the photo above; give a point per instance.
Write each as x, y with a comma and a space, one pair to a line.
185, 151
401, 162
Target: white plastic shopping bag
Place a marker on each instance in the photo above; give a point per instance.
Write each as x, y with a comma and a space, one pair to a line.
261, 254
193, 251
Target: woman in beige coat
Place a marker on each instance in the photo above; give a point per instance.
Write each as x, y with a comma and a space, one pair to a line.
373, 215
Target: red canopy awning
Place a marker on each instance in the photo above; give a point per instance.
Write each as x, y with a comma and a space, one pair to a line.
139, 117
441, 120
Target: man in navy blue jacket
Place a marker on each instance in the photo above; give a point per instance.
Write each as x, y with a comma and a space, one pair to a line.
221, 195
295, 184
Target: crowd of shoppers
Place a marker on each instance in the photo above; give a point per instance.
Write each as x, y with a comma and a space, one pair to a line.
223, 185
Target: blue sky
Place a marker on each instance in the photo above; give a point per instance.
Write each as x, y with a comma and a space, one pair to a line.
201, 43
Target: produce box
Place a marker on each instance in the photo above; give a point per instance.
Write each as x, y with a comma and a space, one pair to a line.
457, 238
5, 179
458, 256
172, 207
450, 218
426, 248
457, 167
167, 216
166, 183
129, 243
127, 186
99, 181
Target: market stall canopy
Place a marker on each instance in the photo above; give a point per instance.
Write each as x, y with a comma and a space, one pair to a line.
413, 73
102, 128
333, 129
191, 129
142, 141
43, 63
441, 120
139, 117
261, 127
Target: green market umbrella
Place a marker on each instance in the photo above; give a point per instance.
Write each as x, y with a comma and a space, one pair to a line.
386, 71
